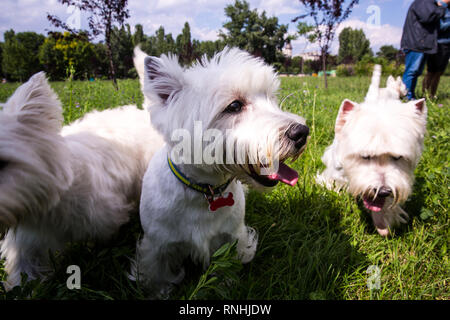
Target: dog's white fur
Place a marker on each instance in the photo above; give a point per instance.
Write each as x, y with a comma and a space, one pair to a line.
395, 89
377, 144
175, 219
65, 184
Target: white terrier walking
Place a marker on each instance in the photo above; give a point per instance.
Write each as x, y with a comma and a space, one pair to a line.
78, 183
376, 148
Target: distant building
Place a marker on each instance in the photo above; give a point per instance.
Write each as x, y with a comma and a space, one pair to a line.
287, 50
310, 56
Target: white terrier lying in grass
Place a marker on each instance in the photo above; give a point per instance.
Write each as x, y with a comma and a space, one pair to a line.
226, 114
376, 148
56, 185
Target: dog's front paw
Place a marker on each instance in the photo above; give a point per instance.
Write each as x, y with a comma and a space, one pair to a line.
332, 182
384, 232
402, 216
247, 243
380, 223
164, 292
396, 216
385, 221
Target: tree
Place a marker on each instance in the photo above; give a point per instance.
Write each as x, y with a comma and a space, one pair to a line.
13, 60
101, 67
297, 64
208, 48
122, 45
138, 36
184, 45
256, 33
160, 43
326, 16
388, 52
353, 45
63, 52
52, 59
1, 59
104, 15
19, 58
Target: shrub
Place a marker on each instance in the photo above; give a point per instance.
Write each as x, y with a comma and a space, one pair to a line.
393, 69
447, 70
345, 70
365, 67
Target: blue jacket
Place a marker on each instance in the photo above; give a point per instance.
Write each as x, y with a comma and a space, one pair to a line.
421, 26
444, 30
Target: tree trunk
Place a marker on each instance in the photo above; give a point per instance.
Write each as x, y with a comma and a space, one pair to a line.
109, 53
324, 68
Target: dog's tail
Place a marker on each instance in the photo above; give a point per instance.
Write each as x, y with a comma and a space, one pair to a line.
372, 94
138, 61
139, 64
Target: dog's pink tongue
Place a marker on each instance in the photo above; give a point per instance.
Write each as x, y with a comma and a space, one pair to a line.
374, 205
285, 175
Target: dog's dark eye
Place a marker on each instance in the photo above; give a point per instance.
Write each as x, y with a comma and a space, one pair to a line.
396, 158
366, 157
3, 164
235, 106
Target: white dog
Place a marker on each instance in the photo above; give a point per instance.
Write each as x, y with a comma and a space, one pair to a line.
376, 148
191, 206
57, 186
395, 88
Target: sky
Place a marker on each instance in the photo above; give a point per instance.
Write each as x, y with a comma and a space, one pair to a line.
381, 20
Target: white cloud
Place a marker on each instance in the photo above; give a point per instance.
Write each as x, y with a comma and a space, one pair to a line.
204, 16
172, 15
378, 36
277, 7
170, 4
191, 5
204, 34
172, 23
29, 15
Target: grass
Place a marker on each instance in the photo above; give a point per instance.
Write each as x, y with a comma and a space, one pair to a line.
314, 244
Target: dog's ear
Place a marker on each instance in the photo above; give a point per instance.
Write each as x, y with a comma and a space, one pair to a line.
36, 105
345, 109
390, 81
420, 106
164, 77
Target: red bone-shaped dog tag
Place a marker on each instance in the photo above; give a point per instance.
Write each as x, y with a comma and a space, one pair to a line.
220, 202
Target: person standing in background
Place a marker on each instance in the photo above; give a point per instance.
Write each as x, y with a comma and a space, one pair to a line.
419, 38
437, 63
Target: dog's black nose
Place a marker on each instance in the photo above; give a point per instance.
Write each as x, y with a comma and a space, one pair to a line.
298, 133
384, 192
